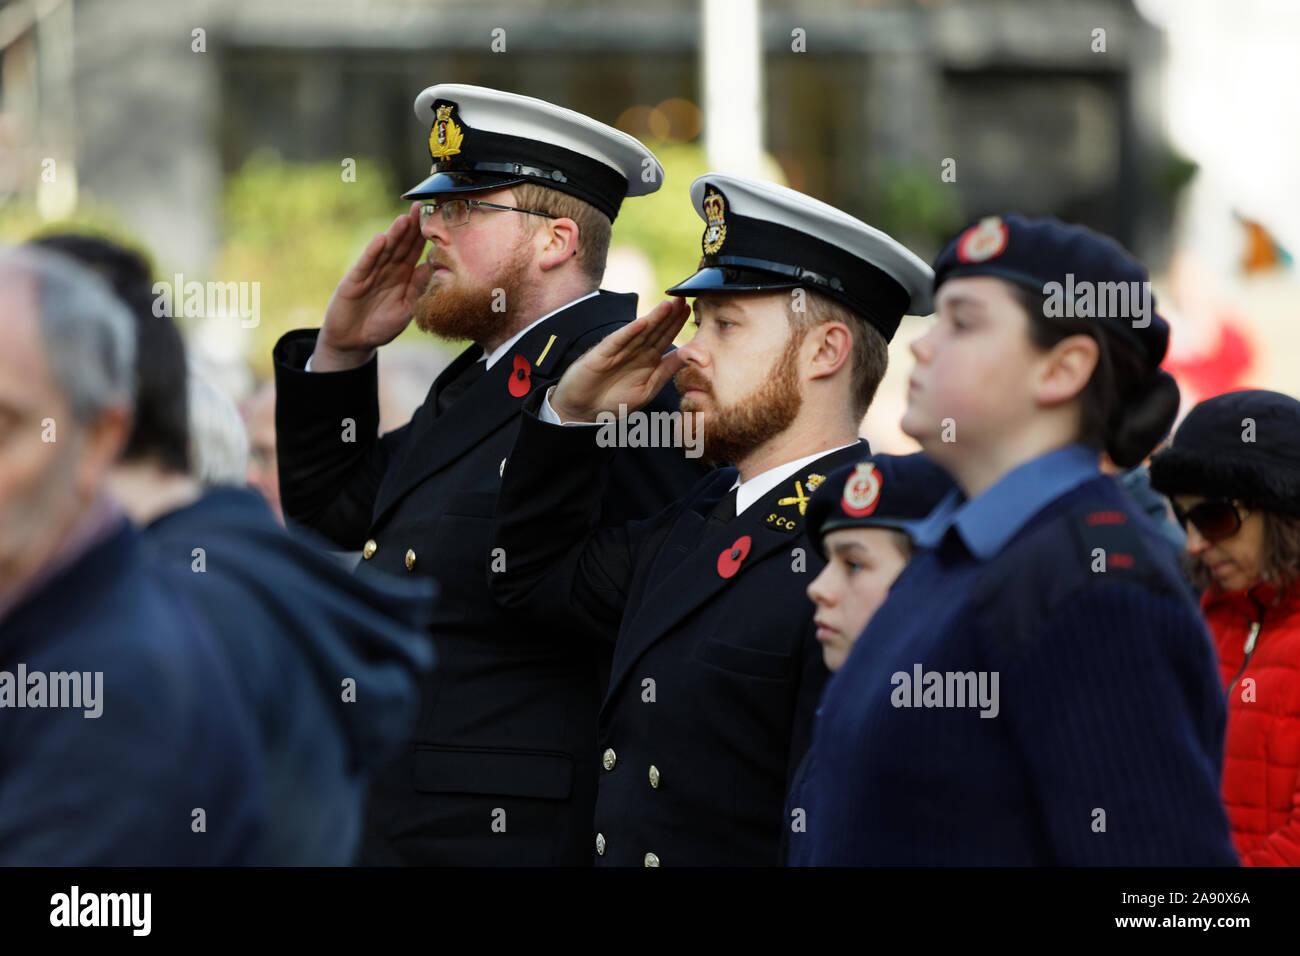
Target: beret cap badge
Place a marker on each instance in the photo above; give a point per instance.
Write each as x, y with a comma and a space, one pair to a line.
715, 228
982, 241
862, 491
445, 137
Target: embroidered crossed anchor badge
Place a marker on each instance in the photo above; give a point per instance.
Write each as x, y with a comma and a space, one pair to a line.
798, 498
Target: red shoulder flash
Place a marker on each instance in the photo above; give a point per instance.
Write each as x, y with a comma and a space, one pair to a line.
1106, 517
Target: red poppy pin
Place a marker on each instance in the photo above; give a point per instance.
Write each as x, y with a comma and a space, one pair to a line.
520, 380
731, 557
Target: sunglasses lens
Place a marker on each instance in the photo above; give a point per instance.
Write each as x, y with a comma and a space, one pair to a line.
1215, 519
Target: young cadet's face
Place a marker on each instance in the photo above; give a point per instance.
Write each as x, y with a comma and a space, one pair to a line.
1234, 562
742, 372
861, 565
972, 383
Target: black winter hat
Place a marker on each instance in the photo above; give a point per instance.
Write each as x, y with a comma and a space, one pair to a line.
1243, 444
883, 491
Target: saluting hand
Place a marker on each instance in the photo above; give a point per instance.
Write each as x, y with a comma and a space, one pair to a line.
628, 367
373, 302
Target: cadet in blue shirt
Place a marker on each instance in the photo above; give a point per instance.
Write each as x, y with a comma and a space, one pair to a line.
1038, 688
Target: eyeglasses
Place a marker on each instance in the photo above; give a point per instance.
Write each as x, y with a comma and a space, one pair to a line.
1215, 519
455, 212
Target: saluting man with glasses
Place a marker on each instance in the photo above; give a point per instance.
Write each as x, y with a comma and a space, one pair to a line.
517, 211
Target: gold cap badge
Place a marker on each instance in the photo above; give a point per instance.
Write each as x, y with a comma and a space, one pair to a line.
715, 218
445, 138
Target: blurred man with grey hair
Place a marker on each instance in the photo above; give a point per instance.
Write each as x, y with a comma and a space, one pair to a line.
326, 664
122, 741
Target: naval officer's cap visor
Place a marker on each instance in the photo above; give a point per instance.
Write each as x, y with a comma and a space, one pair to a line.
731, 279
462, 182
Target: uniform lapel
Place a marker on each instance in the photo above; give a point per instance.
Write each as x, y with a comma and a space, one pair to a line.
437, 441
685, 582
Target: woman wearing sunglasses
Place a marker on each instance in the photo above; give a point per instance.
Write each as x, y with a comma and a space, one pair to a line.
1038, 688
1232, 473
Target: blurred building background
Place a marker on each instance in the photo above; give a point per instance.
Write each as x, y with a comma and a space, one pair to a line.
218, 134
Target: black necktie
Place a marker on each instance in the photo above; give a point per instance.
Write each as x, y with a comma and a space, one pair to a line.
724, 511
459, 385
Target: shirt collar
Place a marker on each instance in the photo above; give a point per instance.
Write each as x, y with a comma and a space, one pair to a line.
987, 522
754, 488
504, 347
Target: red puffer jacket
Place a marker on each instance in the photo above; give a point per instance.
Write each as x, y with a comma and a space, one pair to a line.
1257, 633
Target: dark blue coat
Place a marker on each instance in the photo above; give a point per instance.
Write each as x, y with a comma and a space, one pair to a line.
173, 735
295, 626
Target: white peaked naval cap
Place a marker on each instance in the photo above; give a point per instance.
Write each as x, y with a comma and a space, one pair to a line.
486, 139
761, 236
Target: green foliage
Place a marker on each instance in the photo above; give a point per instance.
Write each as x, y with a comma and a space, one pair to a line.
296, 228
664, 225
916, 207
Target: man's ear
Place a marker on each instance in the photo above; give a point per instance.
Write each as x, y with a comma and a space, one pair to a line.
834, 347
1065, 370
561, 243
101, 445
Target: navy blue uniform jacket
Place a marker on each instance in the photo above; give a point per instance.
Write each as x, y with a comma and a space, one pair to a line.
500, 767
716, 668
1104, 740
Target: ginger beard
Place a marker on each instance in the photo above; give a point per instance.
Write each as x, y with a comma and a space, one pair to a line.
733, 431
452, 308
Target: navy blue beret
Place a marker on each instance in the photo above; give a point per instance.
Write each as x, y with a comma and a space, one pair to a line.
1081, 272
883, 491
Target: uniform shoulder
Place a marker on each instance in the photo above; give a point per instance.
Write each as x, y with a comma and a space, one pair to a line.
1092, 536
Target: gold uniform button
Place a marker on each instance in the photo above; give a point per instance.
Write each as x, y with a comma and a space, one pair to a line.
654, 776
410, 560
609, 759
369, 550
600, 844
651, 860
